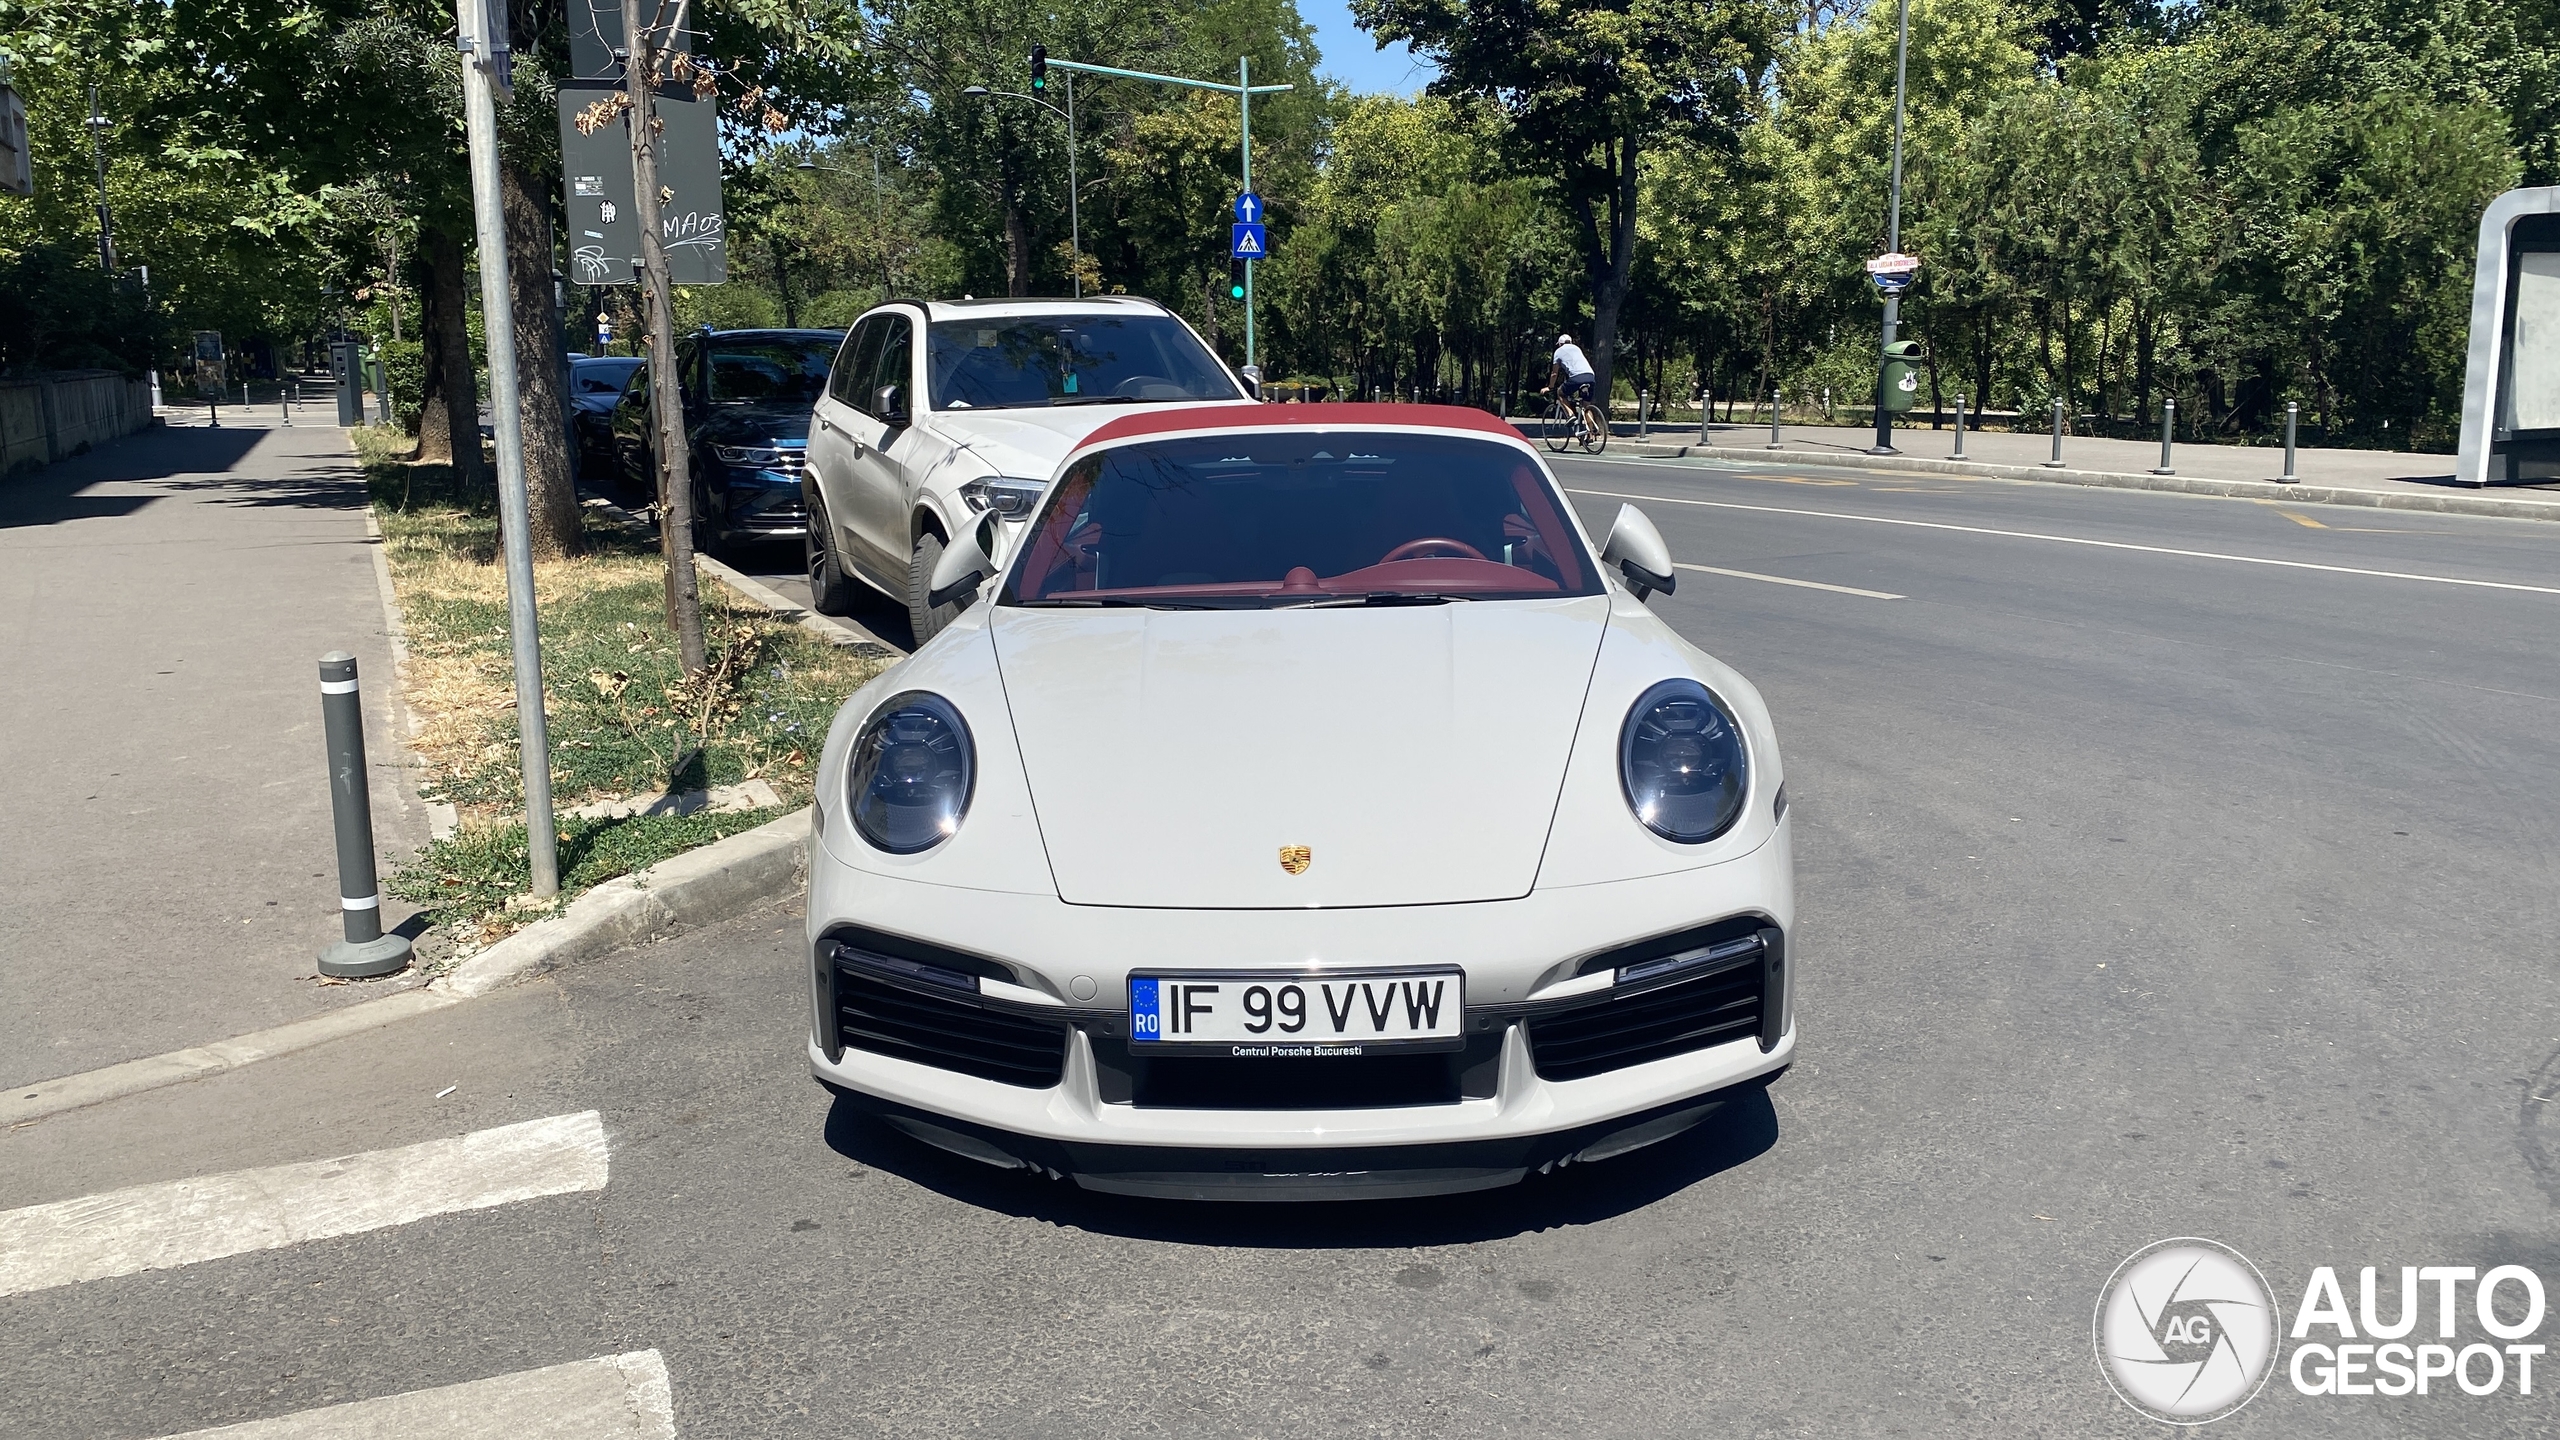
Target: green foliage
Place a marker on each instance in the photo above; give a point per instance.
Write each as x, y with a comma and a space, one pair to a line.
404, 364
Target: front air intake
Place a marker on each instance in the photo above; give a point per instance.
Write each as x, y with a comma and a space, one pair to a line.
1708, 989
933, 1016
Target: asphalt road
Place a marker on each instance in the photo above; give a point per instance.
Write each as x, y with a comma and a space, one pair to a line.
2144, 894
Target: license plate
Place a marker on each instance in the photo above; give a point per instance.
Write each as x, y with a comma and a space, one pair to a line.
1291, 1014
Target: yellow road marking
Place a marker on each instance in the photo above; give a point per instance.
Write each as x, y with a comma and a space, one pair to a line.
2301, 519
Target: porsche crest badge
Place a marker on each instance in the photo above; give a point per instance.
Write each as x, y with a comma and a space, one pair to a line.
1296, 858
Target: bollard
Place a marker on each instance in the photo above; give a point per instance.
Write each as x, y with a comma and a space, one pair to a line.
1644, 414
1706, 412
366, 951
1959, 455
284, 405
2292, 413
2168, 429
2056, 462
1777, 399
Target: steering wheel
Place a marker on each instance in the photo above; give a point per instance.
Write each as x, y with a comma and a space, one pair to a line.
1135, 387
1428, 545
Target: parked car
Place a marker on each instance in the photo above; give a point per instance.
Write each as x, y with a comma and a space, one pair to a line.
939, 411
595, 386
746, 397
1311, 812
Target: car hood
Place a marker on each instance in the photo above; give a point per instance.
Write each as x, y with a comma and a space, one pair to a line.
754, 425
1415, 752
1030, 443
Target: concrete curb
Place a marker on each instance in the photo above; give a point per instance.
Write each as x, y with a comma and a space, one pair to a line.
835, 630
697, 887
2459, 503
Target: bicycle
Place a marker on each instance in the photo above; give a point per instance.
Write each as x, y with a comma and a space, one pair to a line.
1566, 424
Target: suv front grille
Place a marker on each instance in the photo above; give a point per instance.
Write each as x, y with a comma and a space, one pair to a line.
1724, 1002
948, 1028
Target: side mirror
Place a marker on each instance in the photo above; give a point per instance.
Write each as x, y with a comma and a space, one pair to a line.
965, 565
1636, 550
889, 404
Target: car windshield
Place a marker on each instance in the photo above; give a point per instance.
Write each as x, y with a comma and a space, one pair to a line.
1264, 519
780, 370
604, 377
1071, 360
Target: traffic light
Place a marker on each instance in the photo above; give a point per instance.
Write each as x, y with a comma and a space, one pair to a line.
1039, 67
1235, 279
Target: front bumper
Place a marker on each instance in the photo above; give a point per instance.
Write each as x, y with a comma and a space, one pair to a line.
1520, 956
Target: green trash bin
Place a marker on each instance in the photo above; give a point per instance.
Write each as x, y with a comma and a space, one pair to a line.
1903, 361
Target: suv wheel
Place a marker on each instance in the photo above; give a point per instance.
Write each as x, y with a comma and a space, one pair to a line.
830, 589
927, 621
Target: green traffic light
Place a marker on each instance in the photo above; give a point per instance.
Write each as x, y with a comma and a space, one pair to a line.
1235, 292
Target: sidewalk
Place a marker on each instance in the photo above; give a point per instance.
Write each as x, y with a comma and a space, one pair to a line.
2385, 478
166, 870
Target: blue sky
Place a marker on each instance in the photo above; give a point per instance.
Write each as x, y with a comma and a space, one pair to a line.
1353, 58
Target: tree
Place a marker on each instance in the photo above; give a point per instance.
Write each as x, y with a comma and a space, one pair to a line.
1590, 86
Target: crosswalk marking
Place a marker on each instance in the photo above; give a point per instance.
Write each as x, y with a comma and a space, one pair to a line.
612, 1397
187, 1222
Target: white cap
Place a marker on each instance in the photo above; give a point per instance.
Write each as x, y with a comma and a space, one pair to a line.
1564, 339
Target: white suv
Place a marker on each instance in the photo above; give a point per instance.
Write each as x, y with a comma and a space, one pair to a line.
938, 411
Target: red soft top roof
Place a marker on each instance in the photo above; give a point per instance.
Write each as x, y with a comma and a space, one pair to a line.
1341, 417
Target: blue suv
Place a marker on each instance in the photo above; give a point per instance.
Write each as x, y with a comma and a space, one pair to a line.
747, 396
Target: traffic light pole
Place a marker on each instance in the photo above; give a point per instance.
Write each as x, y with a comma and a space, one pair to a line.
1244, 90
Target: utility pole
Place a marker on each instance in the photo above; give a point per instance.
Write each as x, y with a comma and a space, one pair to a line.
98, 152
666, 398
1893, 233
1244, 90
486, 61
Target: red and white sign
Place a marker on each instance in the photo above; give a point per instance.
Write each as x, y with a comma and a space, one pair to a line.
1896, 263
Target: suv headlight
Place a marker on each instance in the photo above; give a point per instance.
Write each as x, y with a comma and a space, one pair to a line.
910, 773
1008, 497
757, 457
1682, 763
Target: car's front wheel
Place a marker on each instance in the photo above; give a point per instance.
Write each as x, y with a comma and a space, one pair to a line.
830, 589
926, 620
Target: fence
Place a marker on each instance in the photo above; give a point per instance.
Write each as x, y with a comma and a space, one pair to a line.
47, 416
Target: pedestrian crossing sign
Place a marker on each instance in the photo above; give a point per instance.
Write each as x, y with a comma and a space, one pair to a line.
1249, 242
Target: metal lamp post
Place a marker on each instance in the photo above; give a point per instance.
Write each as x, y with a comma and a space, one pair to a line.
1893, 233
1075, 225
483, 40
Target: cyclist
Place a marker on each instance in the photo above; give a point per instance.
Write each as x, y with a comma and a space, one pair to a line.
1571, 376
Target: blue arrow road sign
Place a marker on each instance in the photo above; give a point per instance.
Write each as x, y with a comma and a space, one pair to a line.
1249, 208
1249, 242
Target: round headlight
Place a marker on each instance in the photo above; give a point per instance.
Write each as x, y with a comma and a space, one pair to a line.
1682, 762
909, 776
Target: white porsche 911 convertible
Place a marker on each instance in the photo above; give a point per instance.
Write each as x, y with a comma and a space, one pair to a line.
1303, 811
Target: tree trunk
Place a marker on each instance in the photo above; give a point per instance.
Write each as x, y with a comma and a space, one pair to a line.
452, 420
666, 403
1017, 244
1610, 263
550, 485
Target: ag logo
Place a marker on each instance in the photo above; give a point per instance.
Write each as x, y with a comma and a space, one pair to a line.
1296, 858
2186, 1331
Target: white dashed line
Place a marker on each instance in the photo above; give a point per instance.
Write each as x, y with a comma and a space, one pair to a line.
187, 1222
612, 1397
1783, 580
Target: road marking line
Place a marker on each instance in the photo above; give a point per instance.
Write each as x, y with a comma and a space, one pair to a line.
1783, 580
187, 1222
2303, 520
612, 1397
2076, 540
